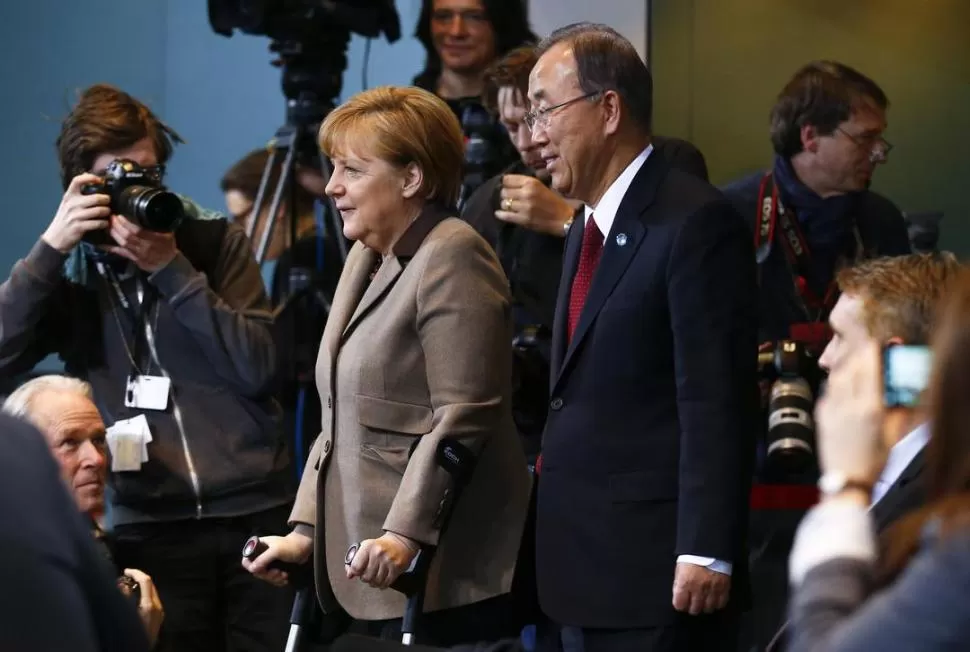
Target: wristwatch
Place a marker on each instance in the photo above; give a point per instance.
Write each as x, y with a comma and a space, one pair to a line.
833, 483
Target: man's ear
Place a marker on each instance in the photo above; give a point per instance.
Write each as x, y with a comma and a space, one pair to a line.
413, 180
810, 138
612, 110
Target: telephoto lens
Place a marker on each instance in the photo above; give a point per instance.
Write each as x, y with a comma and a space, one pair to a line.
791, 427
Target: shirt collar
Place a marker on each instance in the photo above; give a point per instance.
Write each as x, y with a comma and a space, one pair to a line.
609, 203
902, 453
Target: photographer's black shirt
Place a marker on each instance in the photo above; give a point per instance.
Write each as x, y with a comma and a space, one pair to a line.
532, 261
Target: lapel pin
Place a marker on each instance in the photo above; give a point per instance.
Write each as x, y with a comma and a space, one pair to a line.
621, 239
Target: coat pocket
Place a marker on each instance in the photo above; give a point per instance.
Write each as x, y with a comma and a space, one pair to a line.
384, 415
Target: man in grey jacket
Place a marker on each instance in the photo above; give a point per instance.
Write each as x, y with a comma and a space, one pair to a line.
171, 329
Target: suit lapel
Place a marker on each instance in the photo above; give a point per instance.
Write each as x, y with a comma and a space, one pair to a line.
363, 294
619, 248
353, 282
383, 281
900, 493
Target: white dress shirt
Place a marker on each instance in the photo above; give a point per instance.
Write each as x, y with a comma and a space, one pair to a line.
831, 530
609, 203
900, 456
605, 211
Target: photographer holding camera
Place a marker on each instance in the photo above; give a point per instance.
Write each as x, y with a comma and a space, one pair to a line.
810, 214
165, 315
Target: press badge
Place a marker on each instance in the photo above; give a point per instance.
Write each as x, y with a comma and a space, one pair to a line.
147, 392
128, 443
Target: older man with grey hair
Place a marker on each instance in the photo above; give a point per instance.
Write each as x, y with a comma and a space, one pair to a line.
63, 409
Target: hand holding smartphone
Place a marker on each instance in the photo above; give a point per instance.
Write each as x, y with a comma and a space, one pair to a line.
905, 374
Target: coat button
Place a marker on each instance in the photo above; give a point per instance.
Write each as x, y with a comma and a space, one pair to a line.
329, 402
556, 403
326, 446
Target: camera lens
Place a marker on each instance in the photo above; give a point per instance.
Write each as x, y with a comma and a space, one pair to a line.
791, 428
151, 208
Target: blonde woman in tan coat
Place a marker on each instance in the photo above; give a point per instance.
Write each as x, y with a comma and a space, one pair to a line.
417, 348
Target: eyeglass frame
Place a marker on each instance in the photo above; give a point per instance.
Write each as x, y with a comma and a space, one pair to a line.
532, 118
879, 150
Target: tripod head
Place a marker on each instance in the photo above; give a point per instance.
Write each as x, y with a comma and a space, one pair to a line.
310, 39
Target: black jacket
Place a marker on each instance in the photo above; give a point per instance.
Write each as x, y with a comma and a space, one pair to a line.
533, 263
647, 448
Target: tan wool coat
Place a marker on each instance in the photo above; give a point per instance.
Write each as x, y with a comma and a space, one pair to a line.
421, 352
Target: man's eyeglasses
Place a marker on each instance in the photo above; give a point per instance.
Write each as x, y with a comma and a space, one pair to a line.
541, 116
878, 146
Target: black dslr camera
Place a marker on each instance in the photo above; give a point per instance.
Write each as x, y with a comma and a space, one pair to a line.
794, 376
488, 149
138, 194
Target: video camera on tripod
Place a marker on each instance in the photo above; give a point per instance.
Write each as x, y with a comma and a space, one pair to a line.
487, 147
310, 38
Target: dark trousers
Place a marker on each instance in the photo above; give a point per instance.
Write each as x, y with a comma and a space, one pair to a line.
716, 632
211, 603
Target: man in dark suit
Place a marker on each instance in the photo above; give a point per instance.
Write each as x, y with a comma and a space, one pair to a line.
526, 224
889, 301
648, 447
56, 590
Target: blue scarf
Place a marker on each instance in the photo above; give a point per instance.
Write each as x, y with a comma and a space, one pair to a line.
827, 223
76, 265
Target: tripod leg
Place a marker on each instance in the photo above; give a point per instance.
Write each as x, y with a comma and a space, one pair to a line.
261, 191
286, 172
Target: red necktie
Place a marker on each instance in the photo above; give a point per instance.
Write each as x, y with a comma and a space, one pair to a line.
589, 257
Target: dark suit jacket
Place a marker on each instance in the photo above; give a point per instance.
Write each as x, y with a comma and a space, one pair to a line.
648, 447
533, 261
905, 495
56, 590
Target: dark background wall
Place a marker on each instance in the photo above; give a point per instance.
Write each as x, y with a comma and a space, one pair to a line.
718, 65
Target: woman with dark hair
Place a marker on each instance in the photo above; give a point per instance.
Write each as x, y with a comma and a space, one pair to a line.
463, 38
837, 604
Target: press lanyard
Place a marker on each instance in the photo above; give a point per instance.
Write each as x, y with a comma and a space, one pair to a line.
140, 319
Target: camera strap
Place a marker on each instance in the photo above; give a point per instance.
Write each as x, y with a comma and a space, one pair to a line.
138, 315
772, 214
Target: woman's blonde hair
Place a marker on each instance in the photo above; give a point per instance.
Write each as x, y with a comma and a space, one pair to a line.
401, 126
